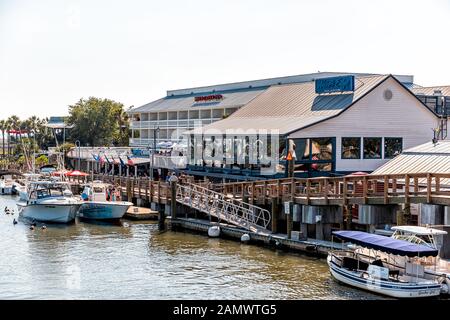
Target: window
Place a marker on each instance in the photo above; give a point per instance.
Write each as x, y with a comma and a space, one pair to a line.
372, 148
392, 147
322, 149
302, 149
351, 148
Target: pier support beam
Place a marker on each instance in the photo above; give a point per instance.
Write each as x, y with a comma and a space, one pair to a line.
274, 215
431, 214
322, 217
173, 199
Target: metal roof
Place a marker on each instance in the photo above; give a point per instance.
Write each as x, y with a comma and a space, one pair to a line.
429, 91
423, 158
231, 99
238, 94
290, 107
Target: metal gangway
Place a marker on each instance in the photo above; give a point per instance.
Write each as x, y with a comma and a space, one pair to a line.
232, 211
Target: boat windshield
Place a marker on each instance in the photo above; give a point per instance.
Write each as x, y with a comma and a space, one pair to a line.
44, 193
423, 239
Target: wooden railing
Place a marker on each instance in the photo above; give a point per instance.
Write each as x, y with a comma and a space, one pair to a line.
368, 189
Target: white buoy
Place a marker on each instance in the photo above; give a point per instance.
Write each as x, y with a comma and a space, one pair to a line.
245, 238
214, 231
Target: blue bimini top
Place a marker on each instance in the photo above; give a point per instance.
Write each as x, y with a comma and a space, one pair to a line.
386, 244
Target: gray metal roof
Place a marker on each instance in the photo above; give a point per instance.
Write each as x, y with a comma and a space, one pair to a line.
429, 91
238, 94
424, 158
231, 99
291, 107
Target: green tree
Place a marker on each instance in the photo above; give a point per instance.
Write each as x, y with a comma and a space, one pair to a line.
41, 160
98, 122
13, 124
3, 130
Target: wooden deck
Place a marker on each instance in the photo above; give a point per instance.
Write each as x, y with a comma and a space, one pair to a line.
348, 190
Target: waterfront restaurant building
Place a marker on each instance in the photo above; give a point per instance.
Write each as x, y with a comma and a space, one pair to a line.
166, 119
338, 126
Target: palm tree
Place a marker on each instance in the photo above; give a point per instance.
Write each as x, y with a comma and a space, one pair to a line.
8, 126
15, 124
3, 129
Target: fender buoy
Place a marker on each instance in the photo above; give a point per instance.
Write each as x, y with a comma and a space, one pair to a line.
214, 231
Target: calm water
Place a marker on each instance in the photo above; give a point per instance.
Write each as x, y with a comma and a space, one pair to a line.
133, 260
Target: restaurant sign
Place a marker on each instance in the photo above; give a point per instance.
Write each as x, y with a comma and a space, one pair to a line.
209, 98
335, 84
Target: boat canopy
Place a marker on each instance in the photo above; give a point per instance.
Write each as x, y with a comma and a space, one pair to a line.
386, 244
422, 231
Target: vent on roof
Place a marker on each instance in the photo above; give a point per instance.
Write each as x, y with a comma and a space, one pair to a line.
437, 93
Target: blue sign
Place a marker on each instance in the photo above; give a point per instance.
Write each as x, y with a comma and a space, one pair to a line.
335, 84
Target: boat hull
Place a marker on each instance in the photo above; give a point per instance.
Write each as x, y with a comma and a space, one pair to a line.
99, 210
5, 190
56, 213
387, 288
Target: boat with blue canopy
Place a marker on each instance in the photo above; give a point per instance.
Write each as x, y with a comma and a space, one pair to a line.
369, 272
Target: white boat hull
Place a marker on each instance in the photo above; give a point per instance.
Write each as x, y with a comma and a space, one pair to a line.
103, 210
57, 213
383, 287
5, 190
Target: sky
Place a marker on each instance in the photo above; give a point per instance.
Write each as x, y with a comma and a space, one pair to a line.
54, 52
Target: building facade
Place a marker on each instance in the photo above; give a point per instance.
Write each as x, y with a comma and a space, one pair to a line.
332, 129
166, 119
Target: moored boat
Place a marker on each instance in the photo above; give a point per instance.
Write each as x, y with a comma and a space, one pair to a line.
101, 202
49, 201
372, 274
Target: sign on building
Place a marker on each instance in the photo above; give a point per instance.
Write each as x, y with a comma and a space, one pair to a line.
335, 84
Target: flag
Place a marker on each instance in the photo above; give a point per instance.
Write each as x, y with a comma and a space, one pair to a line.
101, 160
107, 160
121, 162
96, 157
130, 162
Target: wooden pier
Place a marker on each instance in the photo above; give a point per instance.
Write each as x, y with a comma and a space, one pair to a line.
347, 190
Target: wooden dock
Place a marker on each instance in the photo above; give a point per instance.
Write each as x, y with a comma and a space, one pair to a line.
139, 213
278, 241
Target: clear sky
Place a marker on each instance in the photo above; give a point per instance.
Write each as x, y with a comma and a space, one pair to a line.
54, 52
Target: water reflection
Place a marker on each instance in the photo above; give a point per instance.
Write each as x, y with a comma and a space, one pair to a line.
134, 260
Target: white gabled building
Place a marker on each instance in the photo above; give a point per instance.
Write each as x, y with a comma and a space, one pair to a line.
335, 132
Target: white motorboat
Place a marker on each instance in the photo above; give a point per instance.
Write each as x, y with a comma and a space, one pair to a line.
101, 203
6, 185
372, 274
49, 201
21, 188
435, 267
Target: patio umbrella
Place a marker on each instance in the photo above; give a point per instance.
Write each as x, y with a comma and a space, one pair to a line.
77, 173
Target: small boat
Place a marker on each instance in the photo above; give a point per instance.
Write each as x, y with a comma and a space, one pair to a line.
6, 185
102, 204
49, 201
21, 187
435, 267
372, 274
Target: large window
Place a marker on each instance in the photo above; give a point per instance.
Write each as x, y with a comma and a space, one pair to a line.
302, 149
392, 147
351, 148
372, 148
322, 149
